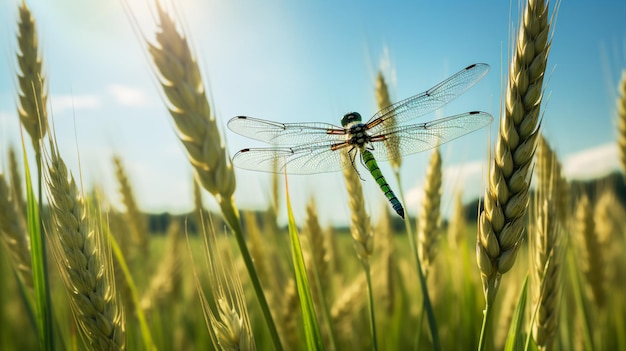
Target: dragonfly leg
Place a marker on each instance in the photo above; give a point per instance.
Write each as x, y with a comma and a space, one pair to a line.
352, 155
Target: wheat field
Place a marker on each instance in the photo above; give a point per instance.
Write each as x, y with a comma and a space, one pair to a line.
538, 265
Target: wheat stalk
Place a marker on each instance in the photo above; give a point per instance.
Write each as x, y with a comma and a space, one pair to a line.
621, 120
429, 218
506, 198
83, 259
137, 222
32, 95
14, 235
545, 239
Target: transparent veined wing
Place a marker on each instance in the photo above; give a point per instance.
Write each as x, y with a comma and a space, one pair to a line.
423, 136
303, 159
286, 134
430, 100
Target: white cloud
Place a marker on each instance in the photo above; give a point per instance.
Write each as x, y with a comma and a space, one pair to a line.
591, 163
128, 96
61, 103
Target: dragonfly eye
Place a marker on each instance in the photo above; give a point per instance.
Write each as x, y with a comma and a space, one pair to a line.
349, 118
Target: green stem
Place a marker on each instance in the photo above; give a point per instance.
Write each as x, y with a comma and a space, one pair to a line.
483, 330
232, 218
370, 295
47, 308
427, 305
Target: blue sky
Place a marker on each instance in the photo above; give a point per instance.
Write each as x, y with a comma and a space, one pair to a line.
307, 61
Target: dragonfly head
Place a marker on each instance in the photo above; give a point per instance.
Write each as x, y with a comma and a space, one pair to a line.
350, 118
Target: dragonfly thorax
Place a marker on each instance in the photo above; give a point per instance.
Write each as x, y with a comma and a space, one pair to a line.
350, 118
357, 134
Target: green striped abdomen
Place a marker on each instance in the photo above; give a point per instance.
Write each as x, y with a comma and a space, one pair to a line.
372, 166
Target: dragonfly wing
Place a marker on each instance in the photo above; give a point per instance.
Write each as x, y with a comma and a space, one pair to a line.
432, 99
421, 137
276, 133
306, 159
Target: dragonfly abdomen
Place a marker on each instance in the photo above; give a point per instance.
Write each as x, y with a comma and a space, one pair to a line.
372, 166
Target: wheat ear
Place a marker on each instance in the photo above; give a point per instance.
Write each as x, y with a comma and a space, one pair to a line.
16, 182
258, 248
392, 142
14, 236
348, 304
184, 90
610, 226
388, 277
550, 171
359, 220
200, 212
32, 95
621, 120
458, 223
592, 259
547, 255
83, 260
289, 314
506, 197
429, 218
165, 286
229, 322
137, 222
318, 246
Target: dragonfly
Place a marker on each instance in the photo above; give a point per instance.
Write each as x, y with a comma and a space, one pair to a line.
315, 147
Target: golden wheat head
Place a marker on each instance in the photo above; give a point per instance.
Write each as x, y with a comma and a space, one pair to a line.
14, 235
83, 259
360, 226
506, 197
180, 78
32, 95
546, 247
429, 218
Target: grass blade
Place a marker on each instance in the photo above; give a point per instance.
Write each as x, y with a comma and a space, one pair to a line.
39, 264
309, 319
141, 317
514, 341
